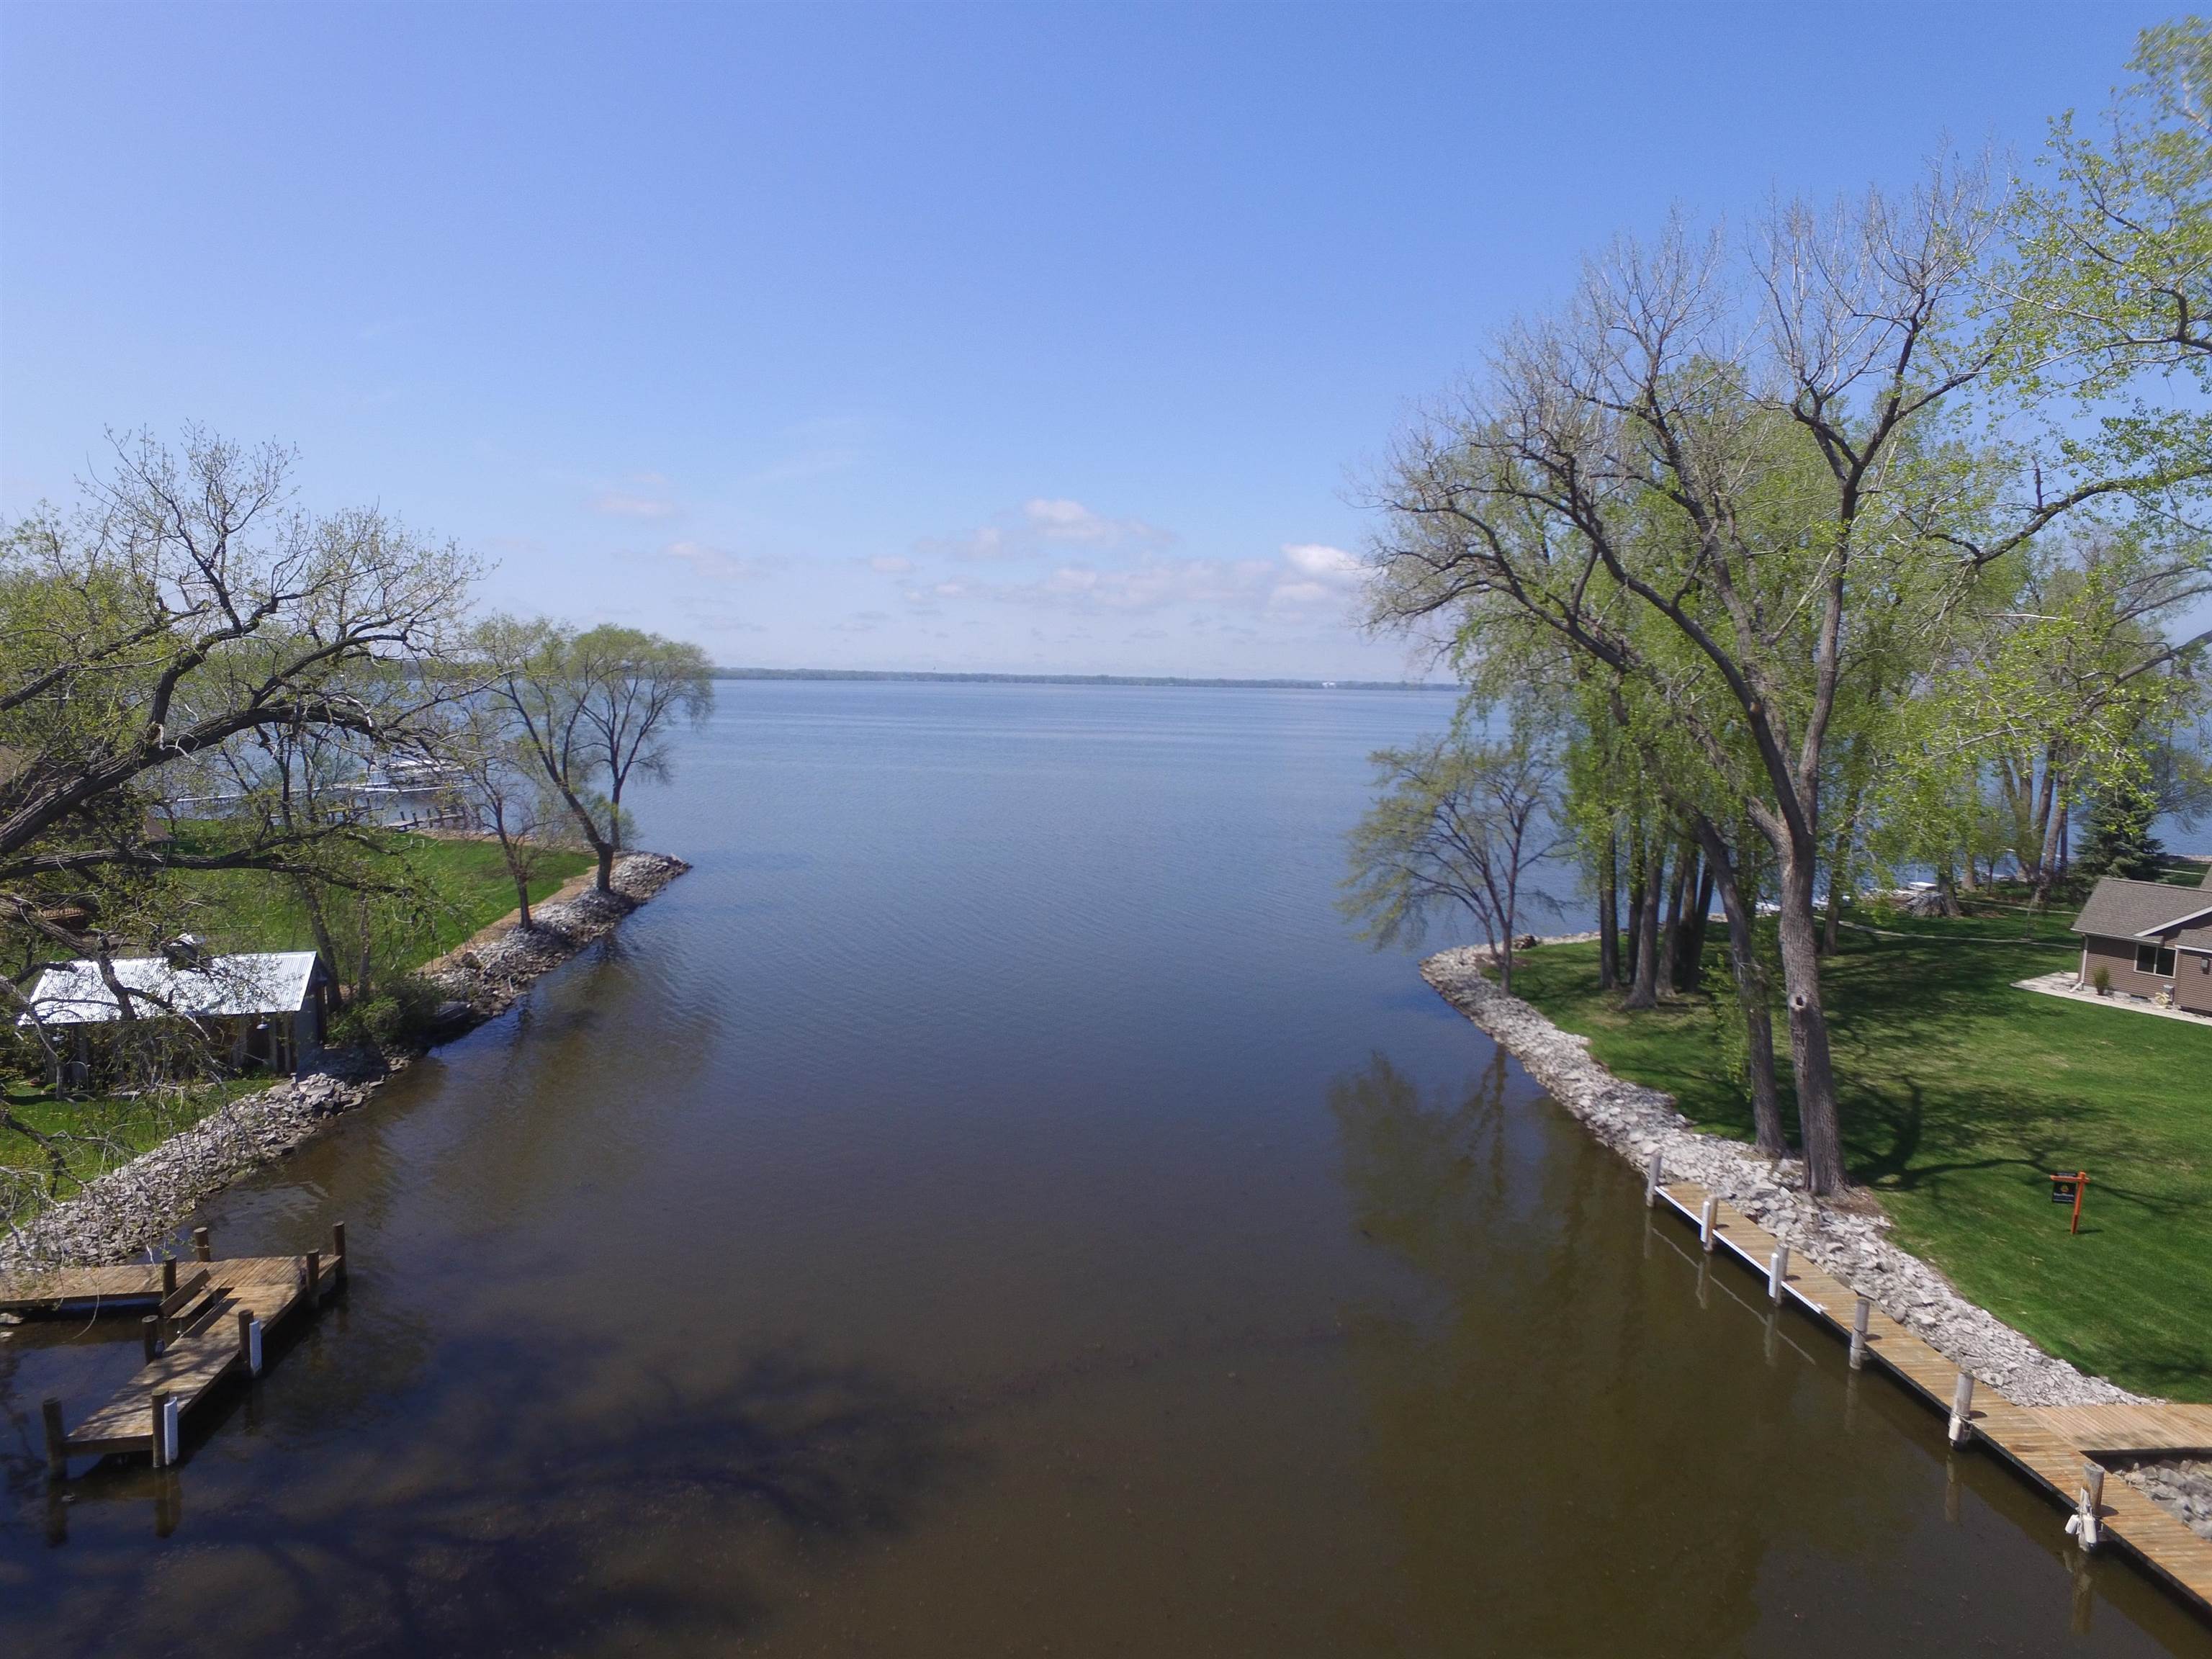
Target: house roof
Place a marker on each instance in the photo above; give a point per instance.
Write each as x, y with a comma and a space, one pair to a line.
267, 982
2139, 910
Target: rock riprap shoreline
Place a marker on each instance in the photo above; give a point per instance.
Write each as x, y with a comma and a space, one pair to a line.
130, 1210
1636, 1122
1853, 1246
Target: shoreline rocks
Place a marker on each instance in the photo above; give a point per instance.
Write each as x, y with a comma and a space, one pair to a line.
1849, 1243
130, 1209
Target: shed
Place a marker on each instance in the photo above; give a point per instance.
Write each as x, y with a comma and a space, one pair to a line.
273, 1005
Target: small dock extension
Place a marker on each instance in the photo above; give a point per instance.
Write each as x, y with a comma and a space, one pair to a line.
200, 1322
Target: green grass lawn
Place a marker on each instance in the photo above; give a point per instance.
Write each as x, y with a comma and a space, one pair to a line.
465, 885
1960, 1095
467, 889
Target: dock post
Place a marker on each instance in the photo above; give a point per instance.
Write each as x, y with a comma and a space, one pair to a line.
338, 1251
203, 1246
1651, 1183
149, 1336
2084, 1525
249, 1342
1705, 1222
1962, 1409
1777, 1271
314, 1277
158, 1428
1860, 1315
169, 1277
57, 1439
172, 1421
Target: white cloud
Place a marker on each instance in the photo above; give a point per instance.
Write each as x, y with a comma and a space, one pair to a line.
1042, 524
717, 565
623, 504
890, 564
1322, 563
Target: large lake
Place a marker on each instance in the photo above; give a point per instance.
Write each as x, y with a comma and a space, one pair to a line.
995, 1206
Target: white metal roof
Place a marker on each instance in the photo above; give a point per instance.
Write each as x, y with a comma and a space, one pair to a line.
265, 982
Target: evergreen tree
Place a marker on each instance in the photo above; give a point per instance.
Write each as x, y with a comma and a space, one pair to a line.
2119, 842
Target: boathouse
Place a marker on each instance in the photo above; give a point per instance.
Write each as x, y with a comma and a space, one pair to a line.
267, 1009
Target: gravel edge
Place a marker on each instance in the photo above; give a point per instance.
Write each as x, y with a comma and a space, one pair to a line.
1635, 1121
127, 1211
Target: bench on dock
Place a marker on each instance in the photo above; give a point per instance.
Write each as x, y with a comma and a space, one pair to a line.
198, 1327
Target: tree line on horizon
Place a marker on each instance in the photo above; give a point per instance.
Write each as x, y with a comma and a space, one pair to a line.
1846, 546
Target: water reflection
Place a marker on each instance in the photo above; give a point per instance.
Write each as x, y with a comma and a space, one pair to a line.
1562, 1475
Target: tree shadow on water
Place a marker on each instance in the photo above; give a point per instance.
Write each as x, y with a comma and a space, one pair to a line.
527, 1517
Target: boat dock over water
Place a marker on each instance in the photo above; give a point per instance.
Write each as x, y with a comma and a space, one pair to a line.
200, 1321
2065, 1450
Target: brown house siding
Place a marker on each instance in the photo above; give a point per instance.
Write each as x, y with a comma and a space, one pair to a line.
2191, 981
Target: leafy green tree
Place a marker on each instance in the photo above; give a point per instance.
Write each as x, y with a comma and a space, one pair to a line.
2109, 272
594, 710
1750, 491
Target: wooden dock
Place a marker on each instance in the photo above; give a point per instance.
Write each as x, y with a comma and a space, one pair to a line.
200, 1322
2058, 1448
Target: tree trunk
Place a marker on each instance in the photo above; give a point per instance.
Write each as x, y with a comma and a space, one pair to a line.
522, 896
1947, 888
1644, 990
1817, 1126
606, 849
360, 985
1609, 919
1635, 912
1693, 967
1678, 896
1751, 992
318, 923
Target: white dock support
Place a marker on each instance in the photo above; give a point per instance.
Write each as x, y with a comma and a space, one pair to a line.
1860, 1315
1962, 1409
2085, 1525
1705, 1222
1651, 1183
1778, 1271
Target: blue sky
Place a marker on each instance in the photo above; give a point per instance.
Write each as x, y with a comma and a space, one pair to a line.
1019, 338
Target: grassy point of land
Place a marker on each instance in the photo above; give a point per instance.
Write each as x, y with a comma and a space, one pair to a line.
1961, 1096
468, 890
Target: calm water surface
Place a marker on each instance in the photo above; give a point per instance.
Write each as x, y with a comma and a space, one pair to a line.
991, 1205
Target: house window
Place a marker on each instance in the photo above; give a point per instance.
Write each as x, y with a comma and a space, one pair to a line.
2154, 959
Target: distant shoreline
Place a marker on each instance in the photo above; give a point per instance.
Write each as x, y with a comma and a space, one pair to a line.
1080, 679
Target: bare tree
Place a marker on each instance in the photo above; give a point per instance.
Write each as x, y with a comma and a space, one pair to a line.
511, 794
1456, 824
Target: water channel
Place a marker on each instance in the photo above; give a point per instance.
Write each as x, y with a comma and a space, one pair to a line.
994, 1205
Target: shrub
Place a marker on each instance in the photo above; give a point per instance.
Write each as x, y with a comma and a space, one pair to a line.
399, 1015
2102, 979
